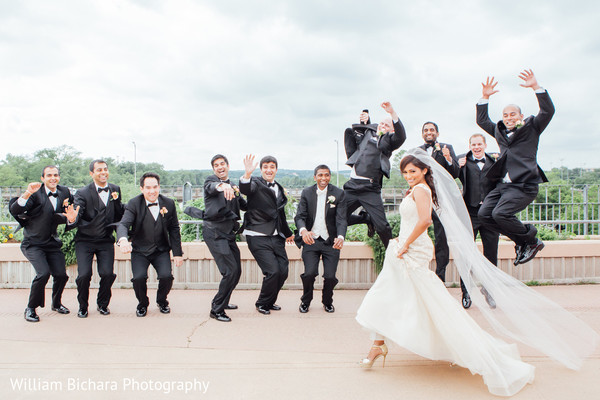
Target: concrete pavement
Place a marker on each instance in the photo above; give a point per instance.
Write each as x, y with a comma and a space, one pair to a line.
286, 355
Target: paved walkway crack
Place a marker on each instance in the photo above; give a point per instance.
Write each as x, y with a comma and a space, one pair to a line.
189, 337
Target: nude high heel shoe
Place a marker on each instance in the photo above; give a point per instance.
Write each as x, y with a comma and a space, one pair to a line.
366, 363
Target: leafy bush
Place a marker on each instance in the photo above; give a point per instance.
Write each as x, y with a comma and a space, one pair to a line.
68, 244
377, 245
548, 233
188, 231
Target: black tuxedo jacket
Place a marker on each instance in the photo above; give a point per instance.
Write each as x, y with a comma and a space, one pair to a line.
335, 212
518, 154
92, 223
40, 219
438, 156
265, 212
475, 190
216, 207
133, 218
385, 145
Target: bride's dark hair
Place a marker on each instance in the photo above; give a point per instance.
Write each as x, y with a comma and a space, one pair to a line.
409, 159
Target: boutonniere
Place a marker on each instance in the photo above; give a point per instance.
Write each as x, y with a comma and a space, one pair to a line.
518, 124
331, 199
163, 211
236, 190
66, 203
437, 147
495, 156
115, 195
380, 133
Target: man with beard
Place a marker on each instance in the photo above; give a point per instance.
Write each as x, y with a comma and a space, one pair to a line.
443, 153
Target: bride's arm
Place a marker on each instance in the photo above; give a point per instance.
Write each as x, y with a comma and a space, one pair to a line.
423, 201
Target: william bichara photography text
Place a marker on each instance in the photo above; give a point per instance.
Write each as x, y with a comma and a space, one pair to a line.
121, 385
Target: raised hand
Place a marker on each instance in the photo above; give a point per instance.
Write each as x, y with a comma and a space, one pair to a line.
446, 154
71, 213
488, 87
462, 161
529, 79
387, 106
249, 165
364, 117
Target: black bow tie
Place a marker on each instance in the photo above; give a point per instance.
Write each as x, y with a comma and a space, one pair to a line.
428, 145
104, 189
152, 204
227, 182
55, 194
271, 184
482, 160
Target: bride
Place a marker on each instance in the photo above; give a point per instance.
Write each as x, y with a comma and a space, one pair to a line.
409, 305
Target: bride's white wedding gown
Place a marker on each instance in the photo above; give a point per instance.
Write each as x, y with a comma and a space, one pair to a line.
409, 305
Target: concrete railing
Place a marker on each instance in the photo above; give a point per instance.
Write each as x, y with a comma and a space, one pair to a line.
560, 262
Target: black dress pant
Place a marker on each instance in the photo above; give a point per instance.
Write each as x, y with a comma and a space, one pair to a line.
500, 206
105, 258
226, 253
269, 253
311, 254
489, 239
442, 253
161, 261
361, 192
46, 260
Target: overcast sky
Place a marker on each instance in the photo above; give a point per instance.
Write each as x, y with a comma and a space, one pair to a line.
187, 79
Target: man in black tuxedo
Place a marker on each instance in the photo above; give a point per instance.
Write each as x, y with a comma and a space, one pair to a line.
321, 223
444, 154
518, 139
266, 229
101, 210
155, 231
369, 148
474, 166
40, 210
222, 202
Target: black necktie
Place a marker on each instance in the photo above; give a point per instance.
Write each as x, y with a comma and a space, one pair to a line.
104, 189
152, 204
270, 184
55, 194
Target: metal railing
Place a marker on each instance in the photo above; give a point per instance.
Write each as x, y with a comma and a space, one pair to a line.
567, 209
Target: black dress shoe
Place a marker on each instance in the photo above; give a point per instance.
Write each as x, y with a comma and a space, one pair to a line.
103, 310
275, 307
231, 307
82, 313
488, 298
61, 309
164, 309
466, 301
141, 312
31, 316
518, 253
530, 250
263, 310
220, 316
329, 308
303, 308
370, 226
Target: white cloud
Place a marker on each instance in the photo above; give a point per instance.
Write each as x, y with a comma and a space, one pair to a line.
187, 79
